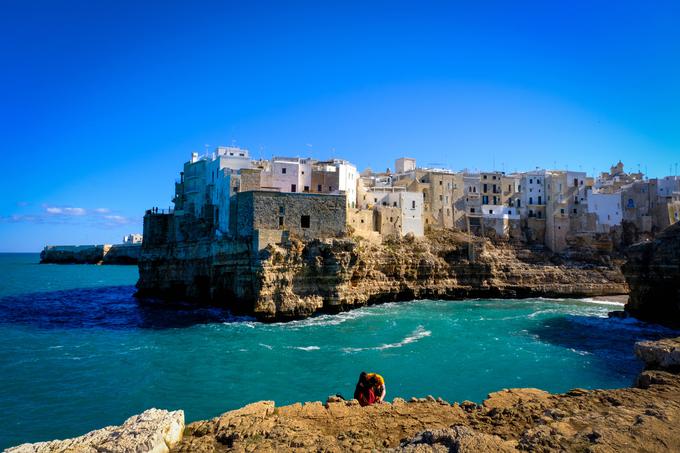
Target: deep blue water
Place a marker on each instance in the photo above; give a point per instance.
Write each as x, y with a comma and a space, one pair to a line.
78, 351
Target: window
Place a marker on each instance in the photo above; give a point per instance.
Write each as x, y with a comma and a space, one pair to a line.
441, 197
441, 182
472, 210
538, 181
531, 200
304, 221
539, 199
485, 188
306, 189
562, 211
293, 188
282, 210
538, 214
303, 172
413, 204
318, 189
531, 181
280, 221
283, 170
394, 204
330, 188
490, 211
575, 211
484, 176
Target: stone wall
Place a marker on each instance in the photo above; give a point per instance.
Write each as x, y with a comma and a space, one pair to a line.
308, 216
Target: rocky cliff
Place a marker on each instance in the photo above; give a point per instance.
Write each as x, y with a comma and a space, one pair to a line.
91, 254
297, 279
653, 274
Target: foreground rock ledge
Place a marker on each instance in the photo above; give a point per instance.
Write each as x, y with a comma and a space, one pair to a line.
641, 418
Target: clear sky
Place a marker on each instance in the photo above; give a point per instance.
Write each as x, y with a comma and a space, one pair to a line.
102, 101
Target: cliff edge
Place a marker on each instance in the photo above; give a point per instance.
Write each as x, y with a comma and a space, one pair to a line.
298, 278
653, 274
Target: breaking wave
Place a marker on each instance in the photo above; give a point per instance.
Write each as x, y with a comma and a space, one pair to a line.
418, 334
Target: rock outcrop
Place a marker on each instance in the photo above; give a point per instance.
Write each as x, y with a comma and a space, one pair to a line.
297, 279
91, 254
653, 274
643, 418
153, 431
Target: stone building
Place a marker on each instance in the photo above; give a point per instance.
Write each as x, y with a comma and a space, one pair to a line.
305, 215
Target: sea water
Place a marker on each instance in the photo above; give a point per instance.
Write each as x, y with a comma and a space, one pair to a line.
79, 352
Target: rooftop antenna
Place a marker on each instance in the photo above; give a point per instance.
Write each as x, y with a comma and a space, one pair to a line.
676, 169
206, 148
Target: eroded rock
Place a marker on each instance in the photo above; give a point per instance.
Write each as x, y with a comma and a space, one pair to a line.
153, 431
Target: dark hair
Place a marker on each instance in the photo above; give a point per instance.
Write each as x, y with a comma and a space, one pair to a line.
363, 378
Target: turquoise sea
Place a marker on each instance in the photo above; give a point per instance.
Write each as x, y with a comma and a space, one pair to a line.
78, 352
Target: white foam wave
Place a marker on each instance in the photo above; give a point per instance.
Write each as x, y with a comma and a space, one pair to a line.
601, 302
414, 336
266, 346
307, 348
327, 320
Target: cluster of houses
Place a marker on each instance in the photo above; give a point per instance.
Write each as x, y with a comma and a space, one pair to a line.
270, 199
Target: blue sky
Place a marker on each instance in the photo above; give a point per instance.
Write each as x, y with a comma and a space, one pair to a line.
101, 102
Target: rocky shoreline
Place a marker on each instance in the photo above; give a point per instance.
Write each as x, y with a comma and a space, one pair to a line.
297, 279
640, 418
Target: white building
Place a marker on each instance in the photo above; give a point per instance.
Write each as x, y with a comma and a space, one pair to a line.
532, 190
409, 206
133, 238
404, 165
607, 206
289, 174
666, 186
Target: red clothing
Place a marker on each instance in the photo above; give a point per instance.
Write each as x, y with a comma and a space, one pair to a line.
365, 396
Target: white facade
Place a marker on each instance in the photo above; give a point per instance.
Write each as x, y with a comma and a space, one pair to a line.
134, 238
410, 205
532, 188
607, 206
666, 186
494, 211
290, 174
404, 165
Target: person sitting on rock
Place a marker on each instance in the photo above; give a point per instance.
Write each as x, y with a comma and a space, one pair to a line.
378, 385
370, 389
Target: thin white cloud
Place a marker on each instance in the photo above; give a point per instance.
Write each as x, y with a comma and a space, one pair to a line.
97, 217
68, 210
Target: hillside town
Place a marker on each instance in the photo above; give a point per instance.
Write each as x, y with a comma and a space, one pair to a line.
268, 200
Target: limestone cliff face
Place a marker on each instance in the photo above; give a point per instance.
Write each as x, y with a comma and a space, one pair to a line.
653, 274
298, 279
